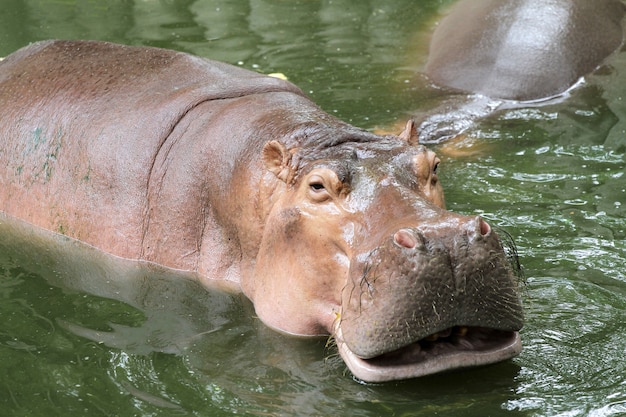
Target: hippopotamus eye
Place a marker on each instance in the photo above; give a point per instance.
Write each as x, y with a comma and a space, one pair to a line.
433, 177
317, 189
323, 185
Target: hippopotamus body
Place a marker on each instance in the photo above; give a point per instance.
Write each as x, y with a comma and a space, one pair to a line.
518, 51
196, 165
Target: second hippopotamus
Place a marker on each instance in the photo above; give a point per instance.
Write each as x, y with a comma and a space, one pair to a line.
502, 54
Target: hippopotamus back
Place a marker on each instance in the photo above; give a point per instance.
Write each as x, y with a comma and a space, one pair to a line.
127, 102
523, 49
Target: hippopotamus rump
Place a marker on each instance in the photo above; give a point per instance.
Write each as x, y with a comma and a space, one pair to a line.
160, 156
523, 49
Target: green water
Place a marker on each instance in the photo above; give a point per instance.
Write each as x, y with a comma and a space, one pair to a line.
83, 334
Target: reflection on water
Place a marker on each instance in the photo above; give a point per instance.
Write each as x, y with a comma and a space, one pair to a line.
93, 335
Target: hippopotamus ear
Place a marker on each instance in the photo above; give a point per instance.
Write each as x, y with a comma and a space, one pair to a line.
276, 158
409, 134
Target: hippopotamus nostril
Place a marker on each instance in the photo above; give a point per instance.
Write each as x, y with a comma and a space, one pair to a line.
484, 227
478, 228
405, 238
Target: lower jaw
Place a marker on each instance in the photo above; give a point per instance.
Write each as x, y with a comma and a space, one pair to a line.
413, 361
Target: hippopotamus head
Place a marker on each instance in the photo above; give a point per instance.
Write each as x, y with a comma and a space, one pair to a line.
358, 244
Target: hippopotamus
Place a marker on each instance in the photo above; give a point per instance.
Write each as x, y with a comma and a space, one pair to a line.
516, 53
236, 177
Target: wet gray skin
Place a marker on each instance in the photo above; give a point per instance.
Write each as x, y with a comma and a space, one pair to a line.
431, 297
523, 49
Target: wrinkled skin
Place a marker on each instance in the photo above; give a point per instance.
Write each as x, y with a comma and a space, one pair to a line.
156, 155
441, 277
514, 53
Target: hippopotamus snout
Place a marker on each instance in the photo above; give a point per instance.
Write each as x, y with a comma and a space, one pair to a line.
448, 280
410, 238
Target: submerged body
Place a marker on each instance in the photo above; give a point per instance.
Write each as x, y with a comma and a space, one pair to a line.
156, 155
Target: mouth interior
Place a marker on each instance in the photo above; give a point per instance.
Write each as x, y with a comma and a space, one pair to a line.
453, 348
450, 341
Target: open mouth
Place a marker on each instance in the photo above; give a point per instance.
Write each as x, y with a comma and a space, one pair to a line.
453, 348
